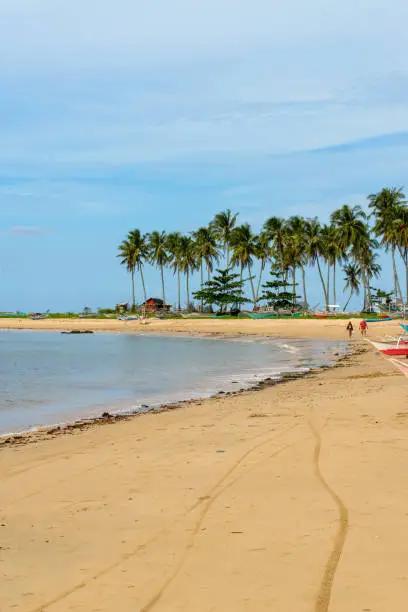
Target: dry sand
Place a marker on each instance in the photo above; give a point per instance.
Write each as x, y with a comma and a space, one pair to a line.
304, 510
304, 328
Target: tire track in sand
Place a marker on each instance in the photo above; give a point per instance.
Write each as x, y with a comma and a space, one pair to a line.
206, 501
323, 598
179, 566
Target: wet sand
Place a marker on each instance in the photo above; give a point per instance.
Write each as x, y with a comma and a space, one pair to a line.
290, 498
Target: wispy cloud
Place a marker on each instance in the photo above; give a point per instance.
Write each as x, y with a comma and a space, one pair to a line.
28, 230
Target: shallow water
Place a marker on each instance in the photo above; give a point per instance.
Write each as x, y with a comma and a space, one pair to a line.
48, 378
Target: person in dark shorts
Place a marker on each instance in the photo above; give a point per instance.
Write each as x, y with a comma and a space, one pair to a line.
350, 329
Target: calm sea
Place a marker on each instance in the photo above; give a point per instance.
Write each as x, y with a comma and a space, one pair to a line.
48, 378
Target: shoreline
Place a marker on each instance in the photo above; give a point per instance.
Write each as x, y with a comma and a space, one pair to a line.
290, 328
47, 432
223, 498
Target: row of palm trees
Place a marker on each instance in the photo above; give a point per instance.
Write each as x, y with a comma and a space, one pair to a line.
351, 240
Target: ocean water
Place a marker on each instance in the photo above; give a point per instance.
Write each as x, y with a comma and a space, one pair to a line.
49, 378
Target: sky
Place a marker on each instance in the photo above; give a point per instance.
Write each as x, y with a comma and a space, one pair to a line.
157, 115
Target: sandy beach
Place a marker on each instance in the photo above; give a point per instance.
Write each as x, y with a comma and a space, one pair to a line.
290, 498
306, 328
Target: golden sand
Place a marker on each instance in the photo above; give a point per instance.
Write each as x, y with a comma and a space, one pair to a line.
291, 498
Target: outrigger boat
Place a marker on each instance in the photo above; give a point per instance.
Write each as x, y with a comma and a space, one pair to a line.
402, 367
404, 327
395, 349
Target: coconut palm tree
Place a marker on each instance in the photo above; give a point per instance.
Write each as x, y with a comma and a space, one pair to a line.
223, 225
263, 254
174, 253
334, 252
244, 248
315, 250
188, 261
133, 252
275, 229
385, 206
400, 226
350, 225
158, 254
363, 252
352, 277
207, 252
296, 243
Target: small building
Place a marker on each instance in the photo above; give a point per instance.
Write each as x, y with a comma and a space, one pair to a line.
155, 304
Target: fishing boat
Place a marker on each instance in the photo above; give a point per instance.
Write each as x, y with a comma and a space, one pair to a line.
37, 316
402, 367
404, 327
395, 349
378, 319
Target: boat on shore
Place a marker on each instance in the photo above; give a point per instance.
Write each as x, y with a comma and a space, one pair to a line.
402, 367
394, 349
378, 319
404, 327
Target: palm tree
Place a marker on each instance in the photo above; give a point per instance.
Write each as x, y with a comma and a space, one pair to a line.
188, 261
334, 252
363, 252
159, 255
174, 253
352, 278
263, 253
275, 229
207, 251
223, 225
315, 250
400, 226
244, 249
133, 252
385, 206
297, 252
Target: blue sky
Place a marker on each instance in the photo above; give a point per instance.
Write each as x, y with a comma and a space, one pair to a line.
157, 115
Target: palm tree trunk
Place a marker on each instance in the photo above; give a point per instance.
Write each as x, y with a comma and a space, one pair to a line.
406, 281
349, 298
293, 286
251, 280
133, 290
162, 280
328, 285
259, 281
188, 291
397, 288
363, 275
143, 283
202, 283
334, 283
178, 289
322, 281
305, 305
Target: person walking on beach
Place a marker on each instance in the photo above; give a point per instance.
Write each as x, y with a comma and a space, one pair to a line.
350, 329
363, 328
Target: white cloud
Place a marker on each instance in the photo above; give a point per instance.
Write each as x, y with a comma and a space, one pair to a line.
28, 230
